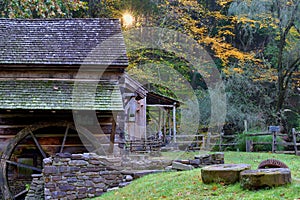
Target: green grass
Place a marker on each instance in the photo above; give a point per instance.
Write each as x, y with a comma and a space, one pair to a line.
188, 184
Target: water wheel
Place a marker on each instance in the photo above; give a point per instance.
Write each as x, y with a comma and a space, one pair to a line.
272, 163
25, 153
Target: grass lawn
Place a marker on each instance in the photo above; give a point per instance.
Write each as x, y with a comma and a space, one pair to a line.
188, 184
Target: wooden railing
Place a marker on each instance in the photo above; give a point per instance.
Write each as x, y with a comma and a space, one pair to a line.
250, 144
143, 146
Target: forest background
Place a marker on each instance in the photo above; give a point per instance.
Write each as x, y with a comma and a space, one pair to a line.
255, 45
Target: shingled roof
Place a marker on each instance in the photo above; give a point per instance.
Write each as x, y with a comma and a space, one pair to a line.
62, 42
60, 95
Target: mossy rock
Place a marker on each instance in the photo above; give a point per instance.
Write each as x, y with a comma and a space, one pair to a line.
264, 178
223, 173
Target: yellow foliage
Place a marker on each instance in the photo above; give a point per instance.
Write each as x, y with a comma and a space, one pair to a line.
223, 3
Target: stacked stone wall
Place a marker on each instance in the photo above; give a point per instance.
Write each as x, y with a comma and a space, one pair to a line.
80, 176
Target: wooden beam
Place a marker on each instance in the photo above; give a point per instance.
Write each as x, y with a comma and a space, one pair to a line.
38, 144
65, 138
159, 105
24, 165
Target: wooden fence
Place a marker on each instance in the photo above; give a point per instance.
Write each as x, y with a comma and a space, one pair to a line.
250, 144
204, 141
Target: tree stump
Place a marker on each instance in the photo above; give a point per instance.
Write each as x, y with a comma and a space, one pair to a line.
262, 178
223, 173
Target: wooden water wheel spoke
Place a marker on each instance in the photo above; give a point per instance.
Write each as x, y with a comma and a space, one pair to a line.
64, 140
38, 145
20, 194
24, 165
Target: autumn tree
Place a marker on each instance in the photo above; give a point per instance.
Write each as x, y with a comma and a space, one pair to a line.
281, 21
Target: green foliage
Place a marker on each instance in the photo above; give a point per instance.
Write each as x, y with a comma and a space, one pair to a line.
249, 100
42, 9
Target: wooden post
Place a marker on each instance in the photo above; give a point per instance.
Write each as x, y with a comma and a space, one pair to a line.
174, 121
203, 143
246, 125
164, 127
170, 122
208, 141
274, 142
249, 145
295, 140
112, 137
159, 120
221, 141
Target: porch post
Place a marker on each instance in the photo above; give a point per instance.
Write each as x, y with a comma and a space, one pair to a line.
174, 121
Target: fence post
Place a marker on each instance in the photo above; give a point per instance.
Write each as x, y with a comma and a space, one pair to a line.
208, 141
295, 140
274, 142
221, 141
249, 145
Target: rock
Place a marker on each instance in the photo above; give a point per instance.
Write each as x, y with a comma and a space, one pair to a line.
47, 161
261, 178
180, 166
123, 184
168, 168
128, 178
223, 173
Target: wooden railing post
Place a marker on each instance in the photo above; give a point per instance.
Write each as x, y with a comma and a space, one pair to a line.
221, 141
295, 140
208, 141
274, 142
249, 146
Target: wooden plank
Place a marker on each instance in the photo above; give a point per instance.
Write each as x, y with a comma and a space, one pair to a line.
229, 144
228, 136
183, 136
259, 134
261, 143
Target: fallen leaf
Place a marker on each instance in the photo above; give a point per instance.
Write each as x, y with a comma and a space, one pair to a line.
163, 197
214, 188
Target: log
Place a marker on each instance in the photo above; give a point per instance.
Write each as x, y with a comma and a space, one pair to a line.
223, 173
263, 178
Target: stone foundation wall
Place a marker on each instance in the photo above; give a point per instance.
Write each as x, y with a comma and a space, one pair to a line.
36, 190
80, 176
